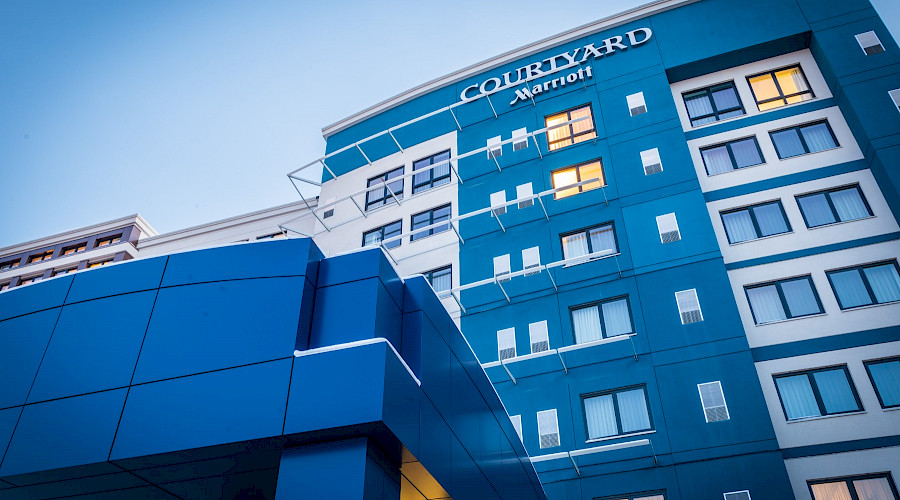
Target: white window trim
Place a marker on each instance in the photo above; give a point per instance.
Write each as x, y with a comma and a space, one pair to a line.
667, 224
541, 432
635, 102
871, 38
506, 339
723, 405
651, 158
696, 298
538, 332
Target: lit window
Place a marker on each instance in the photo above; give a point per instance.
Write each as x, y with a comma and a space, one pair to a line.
599, 240
713, 401
617, 412
440, 278
572, 133
834, 205
379, 234
810, 138
273, 236
428, 218
866, 285
636, 104
40, 256
732, 155
783, 299
667, 225
9, 264
869, 487
99, 263
60, 272
74, 249
380, 196
688, 306
781, 87
712, 104
578, 173
506, 343
885, 375
434, 177
109, 240
601, 320
814, 393
30, 279
870, 43
548, 428
758, 221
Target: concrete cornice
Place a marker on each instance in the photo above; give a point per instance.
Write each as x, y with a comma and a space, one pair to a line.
81, 232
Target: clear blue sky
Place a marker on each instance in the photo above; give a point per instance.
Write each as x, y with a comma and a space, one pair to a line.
191, 111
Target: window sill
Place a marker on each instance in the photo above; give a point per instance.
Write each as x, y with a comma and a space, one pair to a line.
839, 223
824, 417
806, 154
870, 306
893, 408
741, 169
792, 319
759, 239
710, 124
411, 241
393, 204
594, 259
620, 436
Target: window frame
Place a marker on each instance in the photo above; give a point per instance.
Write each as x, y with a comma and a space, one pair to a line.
598, 304
585, 230
866, 364
859, 269
108, 240
10, 264
73, 249
834, 213
577, 168
782, 97
39, 257
571, 137
777, 283
381, 230
849, 481
586, 396
707, 92
802, 140
99, 263
816, 394
753, 220
433, 181
386, 198
731, 156
34, 278
429, 276
430, 232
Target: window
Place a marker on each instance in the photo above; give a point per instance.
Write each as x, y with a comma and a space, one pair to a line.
379, 234
440, 278
615, 413
712, 104
40, 256
737, 495
517, 424
809, 138
599, 240
866, 285
531, 259
74, 249
429, 217
525, 191
99, 263
784, 299
548, 428
494, 147
4, 287
109, 240
636, 104
668, 228
506, 343
382, 195
895, 96
688, 306
60, 272
713, 400
834, 205
780, 87
869, 487
601, 320
814, 393
537, 335
757, 221
30, 279
273, 236
501, 266
650, 160
572, 133
869, 43
520, 139
637, 496
328, 213
9, 264
885, 376
433, 177
732, 155
578, 173
498, 203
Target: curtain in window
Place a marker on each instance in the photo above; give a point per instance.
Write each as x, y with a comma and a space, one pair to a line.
583, 125
791, 81
770, 219
873, 489
800, 297
788, 144
441, 282
586, 322
797, 397
698, 106
603, 238
616, 318
372, 239
766, 304
850, 289
442, 169
717, 160
849, 204
633, 411
725, 98
818, 137
887, 381
601, 416
834, 388
746, 153
739, 226
831, 491
884, 281
815, 208
575, 245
